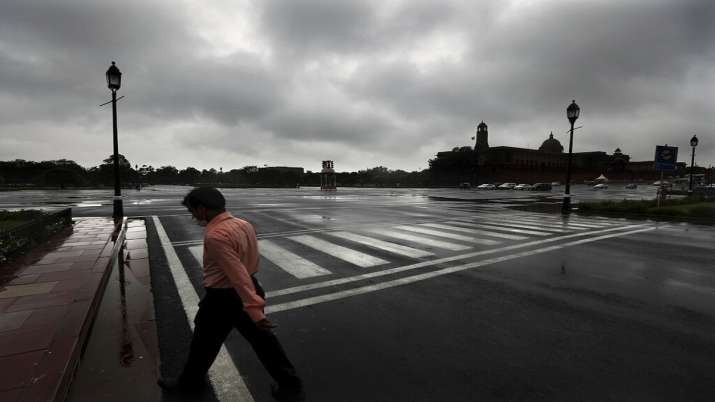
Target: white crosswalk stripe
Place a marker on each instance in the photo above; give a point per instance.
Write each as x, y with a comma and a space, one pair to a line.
489, 233
421, 240
584, 225
537, 223
354, 257
565, 224
503, 229
567, 221
519, 225
382, 245
452, 236
311, 218
198, 253
289, 261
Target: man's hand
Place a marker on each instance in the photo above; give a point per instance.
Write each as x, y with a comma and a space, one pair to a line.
265, 325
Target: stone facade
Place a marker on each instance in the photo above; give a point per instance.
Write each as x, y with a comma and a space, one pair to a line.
485, 164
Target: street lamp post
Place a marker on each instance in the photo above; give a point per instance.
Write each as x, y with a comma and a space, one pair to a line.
693, 143
572, 112
114, 82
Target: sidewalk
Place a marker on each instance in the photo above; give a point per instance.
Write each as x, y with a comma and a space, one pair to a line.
48, 301
121, 358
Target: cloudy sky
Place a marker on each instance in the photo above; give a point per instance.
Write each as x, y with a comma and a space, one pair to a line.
230, 83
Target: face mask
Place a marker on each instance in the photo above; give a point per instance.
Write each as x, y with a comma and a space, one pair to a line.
200, 221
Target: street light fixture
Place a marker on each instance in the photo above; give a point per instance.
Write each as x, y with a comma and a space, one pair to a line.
114, 82
693, 143
572, 113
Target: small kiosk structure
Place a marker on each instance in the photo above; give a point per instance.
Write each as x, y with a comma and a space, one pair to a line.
327, 177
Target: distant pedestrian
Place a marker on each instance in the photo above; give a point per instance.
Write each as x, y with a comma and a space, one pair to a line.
233, 299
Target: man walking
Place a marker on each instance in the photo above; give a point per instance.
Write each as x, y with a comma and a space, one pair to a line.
233, 299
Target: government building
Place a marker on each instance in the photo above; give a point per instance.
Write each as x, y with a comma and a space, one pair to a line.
485, 164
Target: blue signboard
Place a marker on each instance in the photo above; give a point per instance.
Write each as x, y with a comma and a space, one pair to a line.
665, 157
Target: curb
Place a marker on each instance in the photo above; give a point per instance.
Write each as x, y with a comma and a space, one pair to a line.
105, 263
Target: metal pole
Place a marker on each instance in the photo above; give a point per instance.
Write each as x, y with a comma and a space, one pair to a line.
566, 206
118, 207
692, 166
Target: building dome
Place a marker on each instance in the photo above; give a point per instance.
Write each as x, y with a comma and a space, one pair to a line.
552, 145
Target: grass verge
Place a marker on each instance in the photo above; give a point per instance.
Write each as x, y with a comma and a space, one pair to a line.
689, 208
22, 230
11, 219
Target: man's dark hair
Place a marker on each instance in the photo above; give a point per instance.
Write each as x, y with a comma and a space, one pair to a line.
207, 197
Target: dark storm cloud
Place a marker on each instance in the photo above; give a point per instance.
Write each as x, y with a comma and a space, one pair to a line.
351, 26
57, 52
368, 77
614, 55
226, 90
305, 25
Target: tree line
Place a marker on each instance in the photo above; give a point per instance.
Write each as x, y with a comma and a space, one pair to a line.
65, 173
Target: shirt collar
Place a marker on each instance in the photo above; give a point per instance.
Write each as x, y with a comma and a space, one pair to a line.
218, 219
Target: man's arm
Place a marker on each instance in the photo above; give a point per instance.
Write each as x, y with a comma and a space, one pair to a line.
221, 252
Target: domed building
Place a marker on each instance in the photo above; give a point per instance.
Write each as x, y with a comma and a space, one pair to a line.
485, 164
551, 145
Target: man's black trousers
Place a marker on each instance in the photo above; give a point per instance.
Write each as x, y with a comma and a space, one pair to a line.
220, 311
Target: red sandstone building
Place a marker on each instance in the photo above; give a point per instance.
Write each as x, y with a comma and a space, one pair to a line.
485, 164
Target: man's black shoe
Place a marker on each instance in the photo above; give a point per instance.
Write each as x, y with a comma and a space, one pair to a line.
175, 385
293, 393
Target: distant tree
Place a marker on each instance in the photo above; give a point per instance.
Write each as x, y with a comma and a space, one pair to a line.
165, 175
209, 176
189, 175
104, 174
122, 161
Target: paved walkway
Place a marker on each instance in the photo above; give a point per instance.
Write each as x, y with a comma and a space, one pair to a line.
48, 301
123, 352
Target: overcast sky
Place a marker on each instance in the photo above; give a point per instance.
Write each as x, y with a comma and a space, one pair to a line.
230, 83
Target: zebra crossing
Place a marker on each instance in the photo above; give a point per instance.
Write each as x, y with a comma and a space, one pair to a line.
306, 256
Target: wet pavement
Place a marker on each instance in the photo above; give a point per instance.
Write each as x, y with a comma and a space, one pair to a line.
47, 301
122, 353
166, 200
399, 295
420, 304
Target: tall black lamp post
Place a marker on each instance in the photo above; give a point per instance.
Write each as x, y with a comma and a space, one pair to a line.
572, 113
693, 143
114, 81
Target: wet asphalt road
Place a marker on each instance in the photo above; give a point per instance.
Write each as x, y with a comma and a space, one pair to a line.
522, 306
165, 200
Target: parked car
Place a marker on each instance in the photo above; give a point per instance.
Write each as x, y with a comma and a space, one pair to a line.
602, 186
555, 184
522, 187
541, 187
465, 185
507, 186
631, 186
486, 186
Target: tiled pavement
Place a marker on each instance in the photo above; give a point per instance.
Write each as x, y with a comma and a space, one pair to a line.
47, 306
123, 352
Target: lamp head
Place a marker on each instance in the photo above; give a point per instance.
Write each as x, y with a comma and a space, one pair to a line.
573, 111
114, 77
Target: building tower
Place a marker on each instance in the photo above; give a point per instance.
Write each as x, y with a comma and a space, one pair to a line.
327, 177
482, 143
